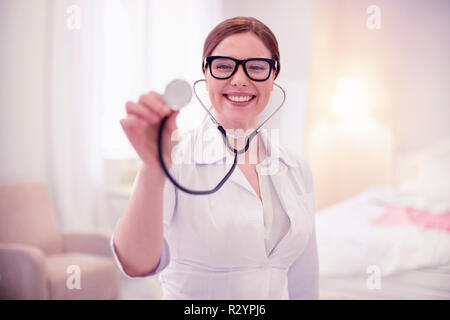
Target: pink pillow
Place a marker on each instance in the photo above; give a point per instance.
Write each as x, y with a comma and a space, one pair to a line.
398, 215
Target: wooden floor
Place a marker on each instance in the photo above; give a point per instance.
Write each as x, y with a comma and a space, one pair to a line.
150, 289
140, 289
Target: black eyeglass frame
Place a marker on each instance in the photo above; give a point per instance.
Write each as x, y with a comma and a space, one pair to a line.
210, 59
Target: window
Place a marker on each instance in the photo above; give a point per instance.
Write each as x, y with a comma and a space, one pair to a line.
139, 39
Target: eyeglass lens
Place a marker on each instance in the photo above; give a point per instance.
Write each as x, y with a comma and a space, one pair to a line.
256, 69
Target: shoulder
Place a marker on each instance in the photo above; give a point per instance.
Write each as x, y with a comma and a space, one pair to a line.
299, 164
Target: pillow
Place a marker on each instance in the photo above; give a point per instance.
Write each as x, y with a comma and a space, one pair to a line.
425, 176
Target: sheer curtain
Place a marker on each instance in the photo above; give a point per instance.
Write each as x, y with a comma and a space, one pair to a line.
118, 50
177, 30
74, 94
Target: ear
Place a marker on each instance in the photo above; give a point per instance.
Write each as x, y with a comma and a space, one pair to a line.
204, 76
272, 76
206, 84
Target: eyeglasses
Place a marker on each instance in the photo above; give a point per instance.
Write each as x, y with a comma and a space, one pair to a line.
257, 69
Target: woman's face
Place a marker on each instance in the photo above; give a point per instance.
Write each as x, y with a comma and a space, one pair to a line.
242, 115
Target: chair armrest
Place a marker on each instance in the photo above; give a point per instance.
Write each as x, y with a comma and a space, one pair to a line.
22, 272
93, 243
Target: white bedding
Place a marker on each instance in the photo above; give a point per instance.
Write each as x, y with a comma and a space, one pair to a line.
348, 242
430, 283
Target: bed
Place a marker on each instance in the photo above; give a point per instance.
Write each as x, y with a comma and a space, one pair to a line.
391, 242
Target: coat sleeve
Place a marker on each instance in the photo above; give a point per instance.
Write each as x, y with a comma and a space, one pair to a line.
169, 205
303, 275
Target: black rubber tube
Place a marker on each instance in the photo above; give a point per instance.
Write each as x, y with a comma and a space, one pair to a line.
198, 192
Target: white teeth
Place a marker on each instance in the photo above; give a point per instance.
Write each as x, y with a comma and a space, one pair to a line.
239, 99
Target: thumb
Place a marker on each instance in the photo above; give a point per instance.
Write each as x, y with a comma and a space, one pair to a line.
123, 124
172, 121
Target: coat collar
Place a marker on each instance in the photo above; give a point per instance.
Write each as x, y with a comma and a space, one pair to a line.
210, 147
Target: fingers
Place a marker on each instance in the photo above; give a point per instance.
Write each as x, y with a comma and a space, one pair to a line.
156, 103
132, 122
143, 112
150, 109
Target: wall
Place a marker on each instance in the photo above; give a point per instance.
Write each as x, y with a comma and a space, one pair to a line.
290, 21
405, 67
419, 70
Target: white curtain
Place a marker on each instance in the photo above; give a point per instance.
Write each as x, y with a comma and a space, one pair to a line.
119, 49
74, 78
177, 31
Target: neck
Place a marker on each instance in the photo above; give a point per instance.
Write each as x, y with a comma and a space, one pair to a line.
237, 133
239, 125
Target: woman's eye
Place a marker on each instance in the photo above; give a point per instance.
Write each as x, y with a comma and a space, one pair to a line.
257, 68
223, 67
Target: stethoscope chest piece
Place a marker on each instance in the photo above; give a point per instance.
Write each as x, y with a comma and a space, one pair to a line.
177, 94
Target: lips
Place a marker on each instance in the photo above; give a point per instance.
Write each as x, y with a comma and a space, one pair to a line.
239, 99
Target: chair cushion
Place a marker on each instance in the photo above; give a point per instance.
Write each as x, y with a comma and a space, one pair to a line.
26, 216
99, 277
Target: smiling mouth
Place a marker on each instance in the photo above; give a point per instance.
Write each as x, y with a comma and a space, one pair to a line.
239, 98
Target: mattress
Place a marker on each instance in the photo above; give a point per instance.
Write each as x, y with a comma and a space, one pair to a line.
361, 259
423, 284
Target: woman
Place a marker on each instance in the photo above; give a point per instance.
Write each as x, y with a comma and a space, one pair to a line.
254, 238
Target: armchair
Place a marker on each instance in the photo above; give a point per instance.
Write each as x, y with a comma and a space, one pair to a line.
35, 255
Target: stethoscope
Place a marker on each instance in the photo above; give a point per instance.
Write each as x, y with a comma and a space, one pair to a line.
178, 93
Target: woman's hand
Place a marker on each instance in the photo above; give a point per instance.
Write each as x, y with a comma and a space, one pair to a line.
142, 126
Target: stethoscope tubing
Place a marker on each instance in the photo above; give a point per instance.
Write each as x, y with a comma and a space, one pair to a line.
184, 189
218, 124
224, 134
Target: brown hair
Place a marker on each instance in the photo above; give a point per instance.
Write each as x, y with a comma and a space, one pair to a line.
242, 25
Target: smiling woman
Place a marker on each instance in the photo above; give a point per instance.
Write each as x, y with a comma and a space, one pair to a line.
240, 38
252, 239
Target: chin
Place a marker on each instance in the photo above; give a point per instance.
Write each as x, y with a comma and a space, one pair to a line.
240, 117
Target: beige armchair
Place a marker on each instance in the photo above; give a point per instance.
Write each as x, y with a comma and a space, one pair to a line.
37, 259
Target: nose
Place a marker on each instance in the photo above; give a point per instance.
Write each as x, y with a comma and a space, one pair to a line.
240, 78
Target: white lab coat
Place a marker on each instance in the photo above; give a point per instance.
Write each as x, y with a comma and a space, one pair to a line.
214, 245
